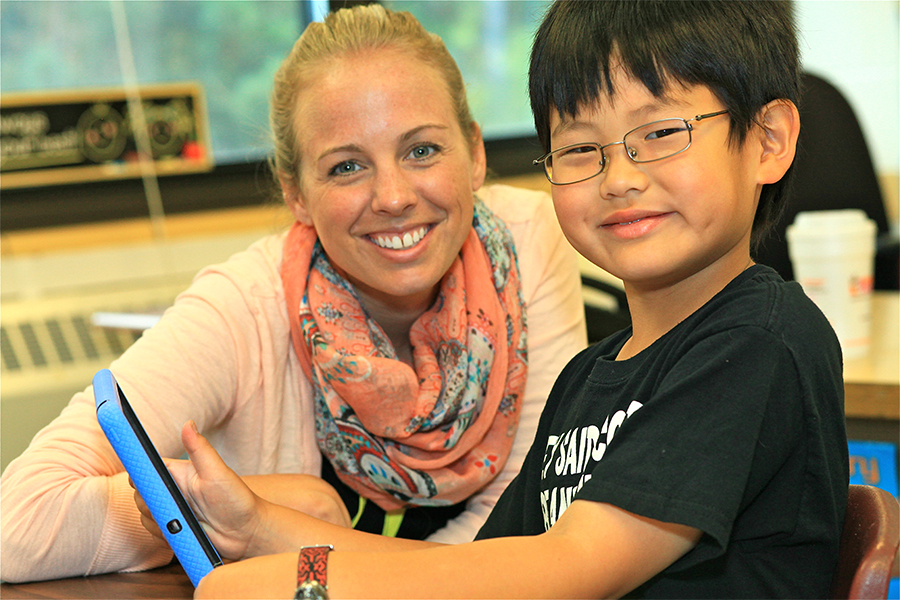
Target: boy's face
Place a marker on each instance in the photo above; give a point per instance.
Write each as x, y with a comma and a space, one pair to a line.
657, 224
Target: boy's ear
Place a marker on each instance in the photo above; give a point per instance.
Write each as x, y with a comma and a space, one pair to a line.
780, 122
293, 199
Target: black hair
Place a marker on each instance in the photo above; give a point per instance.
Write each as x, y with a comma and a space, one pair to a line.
744, 51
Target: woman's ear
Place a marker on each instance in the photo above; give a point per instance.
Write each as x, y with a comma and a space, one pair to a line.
780, 123
290, 190
479, 160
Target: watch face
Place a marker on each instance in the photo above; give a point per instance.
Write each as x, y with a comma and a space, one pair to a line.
312, 590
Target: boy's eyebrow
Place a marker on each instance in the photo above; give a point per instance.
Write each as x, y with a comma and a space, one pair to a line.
663, 102
569, 124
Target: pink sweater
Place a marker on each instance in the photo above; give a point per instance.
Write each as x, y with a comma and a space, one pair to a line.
222, 356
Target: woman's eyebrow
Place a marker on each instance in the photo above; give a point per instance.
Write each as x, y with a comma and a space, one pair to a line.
403, 138
415, 130
336, 149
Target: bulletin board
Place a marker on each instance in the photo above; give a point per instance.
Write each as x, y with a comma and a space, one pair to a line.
74, 136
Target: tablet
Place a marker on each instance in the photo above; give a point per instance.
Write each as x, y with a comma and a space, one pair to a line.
152, 479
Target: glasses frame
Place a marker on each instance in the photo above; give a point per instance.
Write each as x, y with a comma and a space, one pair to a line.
604, 161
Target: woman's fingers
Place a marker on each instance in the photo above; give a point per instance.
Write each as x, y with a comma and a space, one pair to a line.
207, 462
146, 518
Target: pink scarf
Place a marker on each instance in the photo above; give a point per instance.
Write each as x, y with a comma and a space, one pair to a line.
398, 436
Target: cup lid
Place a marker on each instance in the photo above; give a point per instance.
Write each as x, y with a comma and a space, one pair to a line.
833, 219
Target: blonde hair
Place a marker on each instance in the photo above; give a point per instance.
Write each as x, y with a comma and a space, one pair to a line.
352, 30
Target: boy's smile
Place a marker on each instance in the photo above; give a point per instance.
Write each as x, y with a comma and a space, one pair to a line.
631, 224
658, 224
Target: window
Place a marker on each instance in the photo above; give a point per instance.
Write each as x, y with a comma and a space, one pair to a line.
491, 42
231, 47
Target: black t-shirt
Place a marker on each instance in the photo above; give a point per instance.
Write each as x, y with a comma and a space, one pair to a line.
732, 423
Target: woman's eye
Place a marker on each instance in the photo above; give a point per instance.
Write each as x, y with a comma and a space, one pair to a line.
422, 151
347, 167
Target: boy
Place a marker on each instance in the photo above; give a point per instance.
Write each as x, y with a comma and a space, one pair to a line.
699, 453
725, 398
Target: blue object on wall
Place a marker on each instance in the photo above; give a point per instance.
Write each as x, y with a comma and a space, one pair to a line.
874, 463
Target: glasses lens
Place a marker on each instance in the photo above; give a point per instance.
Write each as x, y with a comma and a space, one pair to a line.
574, 163
657, 140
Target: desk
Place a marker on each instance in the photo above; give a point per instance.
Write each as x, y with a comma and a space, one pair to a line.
872, 383
166, 582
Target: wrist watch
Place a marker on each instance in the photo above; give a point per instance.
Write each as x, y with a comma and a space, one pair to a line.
312, 573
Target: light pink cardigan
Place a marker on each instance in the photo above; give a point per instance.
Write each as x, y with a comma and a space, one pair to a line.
222, 355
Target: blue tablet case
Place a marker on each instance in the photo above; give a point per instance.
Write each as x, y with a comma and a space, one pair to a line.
152, 479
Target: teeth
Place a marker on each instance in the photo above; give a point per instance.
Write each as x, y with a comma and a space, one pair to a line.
395, 242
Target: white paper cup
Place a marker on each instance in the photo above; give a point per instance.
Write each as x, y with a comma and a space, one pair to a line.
833, 254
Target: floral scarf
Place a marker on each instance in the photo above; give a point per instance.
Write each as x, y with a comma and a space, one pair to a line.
428, 436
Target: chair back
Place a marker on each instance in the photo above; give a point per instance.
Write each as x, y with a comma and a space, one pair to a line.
833, 169
869, 543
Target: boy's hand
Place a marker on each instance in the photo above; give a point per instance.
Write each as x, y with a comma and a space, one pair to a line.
228, 510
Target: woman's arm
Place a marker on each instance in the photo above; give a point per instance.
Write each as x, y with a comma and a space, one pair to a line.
65, 504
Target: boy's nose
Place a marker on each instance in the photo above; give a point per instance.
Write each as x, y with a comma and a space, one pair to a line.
620, 174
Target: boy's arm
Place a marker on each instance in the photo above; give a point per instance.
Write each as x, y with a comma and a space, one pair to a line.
594, 550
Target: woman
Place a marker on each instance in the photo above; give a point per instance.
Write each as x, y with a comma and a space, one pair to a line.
382, 343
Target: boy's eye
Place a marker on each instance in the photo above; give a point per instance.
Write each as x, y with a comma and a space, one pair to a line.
347, 167
662, 132
581, 149
576, 152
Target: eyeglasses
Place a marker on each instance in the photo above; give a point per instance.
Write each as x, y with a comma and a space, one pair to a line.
647, 143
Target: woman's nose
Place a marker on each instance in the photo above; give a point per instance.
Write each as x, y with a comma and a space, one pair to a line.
393, 192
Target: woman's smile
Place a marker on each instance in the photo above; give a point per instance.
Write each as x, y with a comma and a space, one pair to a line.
402, 240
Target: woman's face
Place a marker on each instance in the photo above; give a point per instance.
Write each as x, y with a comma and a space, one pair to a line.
386, 175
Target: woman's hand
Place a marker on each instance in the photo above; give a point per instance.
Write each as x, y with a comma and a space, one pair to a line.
304, 493
229, 511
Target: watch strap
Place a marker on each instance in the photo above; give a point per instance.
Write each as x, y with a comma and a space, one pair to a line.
312, 573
